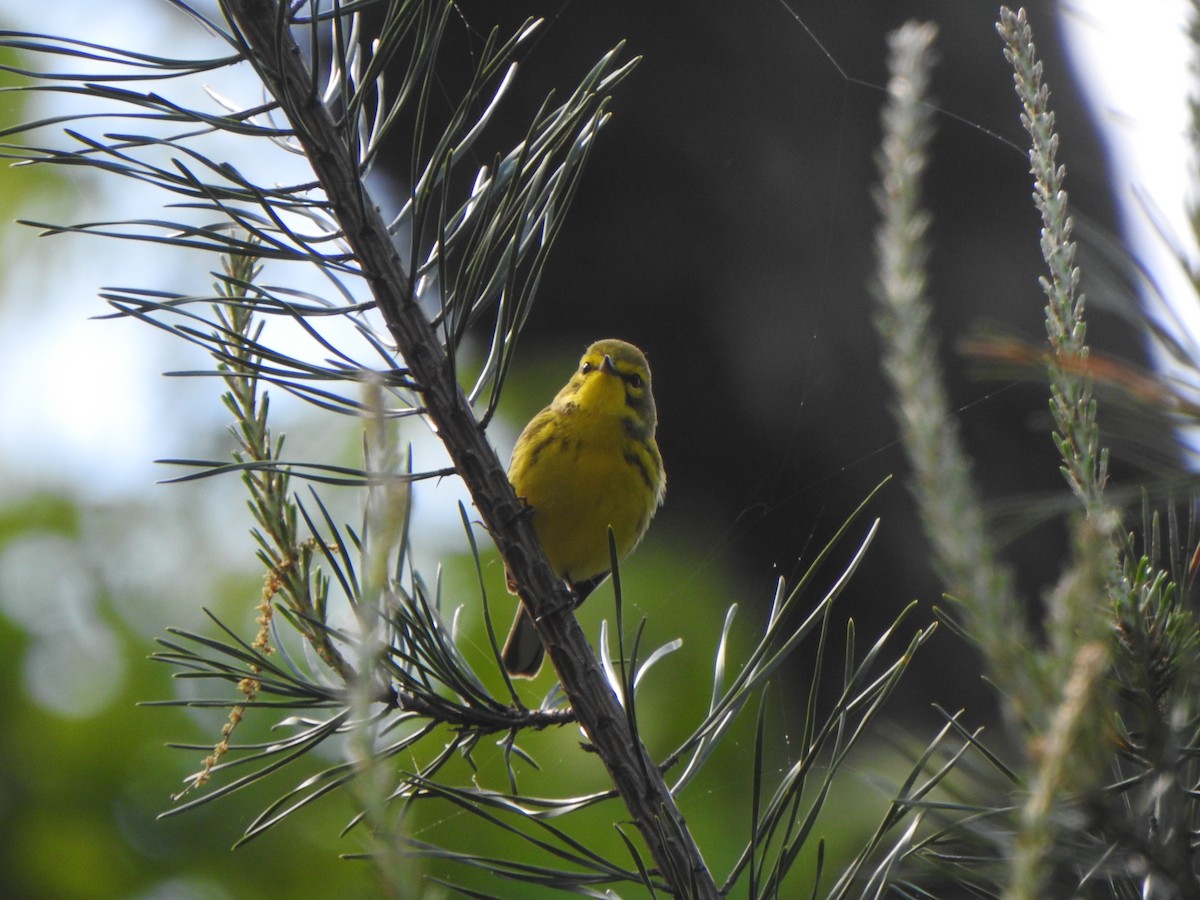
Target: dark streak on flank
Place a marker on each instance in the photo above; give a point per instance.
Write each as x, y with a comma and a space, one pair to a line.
536, 451
635, 428
635, 459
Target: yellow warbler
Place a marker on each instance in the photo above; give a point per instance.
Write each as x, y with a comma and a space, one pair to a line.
586, 462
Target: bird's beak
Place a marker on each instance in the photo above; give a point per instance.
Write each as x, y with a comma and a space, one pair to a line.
608, 366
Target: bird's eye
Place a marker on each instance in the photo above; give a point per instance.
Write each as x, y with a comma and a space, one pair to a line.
586, 367
635, 380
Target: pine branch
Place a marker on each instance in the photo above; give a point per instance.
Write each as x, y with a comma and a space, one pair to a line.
263, 28
950, 506
1078, 438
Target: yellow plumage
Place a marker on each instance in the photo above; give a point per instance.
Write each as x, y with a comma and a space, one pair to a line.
586, 462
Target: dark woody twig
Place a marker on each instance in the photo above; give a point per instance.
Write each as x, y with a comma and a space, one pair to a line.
263, 26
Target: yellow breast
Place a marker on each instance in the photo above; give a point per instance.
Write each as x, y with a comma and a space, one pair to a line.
581, 474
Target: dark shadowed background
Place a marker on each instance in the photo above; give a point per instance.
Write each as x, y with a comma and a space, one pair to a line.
725, 224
